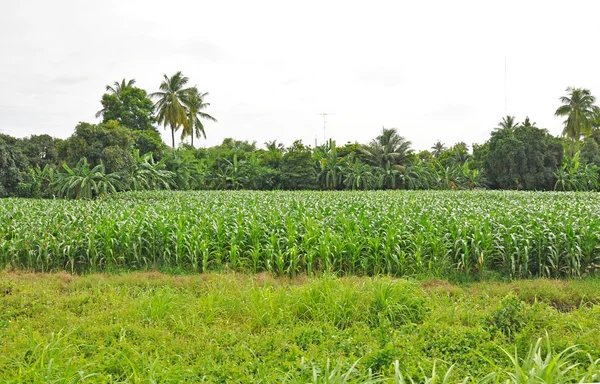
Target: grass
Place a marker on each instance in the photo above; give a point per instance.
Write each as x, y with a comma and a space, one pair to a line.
474, 234
164, 328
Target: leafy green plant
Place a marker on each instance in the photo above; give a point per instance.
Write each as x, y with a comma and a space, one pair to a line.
145, 173
509, 318
81, 182
573, 175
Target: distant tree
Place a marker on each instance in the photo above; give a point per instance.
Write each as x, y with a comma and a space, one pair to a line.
389, 147
230, 144
170, 106
261, 176
425, 156
107, 143
457, 155
149, 141
528, 123
274, 146
12, 165
297, 168
437, 149
40, 150
479, 157
522, 158
132, 108
590, 152
354, 150
116, 90
195, 104
508, 122
578, 107
273, 156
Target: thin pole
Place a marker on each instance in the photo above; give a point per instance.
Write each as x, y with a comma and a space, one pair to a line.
325, 114
505, 88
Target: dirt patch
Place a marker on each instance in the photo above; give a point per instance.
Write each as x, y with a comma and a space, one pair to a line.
437, 284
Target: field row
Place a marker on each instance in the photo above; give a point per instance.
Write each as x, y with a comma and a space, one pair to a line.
515, 234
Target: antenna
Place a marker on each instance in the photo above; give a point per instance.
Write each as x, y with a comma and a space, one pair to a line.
505, 88
325, 114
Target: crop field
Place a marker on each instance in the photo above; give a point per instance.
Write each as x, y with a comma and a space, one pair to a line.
301, 287
507, 234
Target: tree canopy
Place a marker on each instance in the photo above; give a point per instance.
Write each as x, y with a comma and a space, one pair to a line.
125, 152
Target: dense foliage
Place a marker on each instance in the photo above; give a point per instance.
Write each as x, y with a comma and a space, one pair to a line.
517, 156
480, 233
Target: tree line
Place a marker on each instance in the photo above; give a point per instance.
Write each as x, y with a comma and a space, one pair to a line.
125, 152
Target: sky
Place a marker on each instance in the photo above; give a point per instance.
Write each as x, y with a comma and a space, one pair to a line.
434, 70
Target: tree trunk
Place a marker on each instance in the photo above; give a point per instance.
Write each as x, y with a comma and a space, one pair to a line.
173, 136
192, 139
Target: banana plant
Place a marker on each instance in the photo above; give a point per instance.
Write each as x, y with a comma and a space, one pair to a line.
81, 182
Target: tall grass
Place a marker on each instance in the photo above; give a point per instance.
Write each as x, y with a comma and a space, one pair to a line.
514, 234
241, 328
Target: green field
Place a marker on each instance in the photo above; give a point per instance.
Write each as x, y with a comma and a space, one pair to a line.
241, 328
301, 287
397, 233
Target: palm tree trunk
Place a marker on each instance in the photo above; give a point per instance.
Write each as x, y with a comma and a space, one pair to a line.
192, 139
173, 135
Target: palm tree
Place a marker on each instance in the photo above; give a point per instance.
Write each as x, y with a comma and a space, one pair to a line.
528, 123
194, 102
508, 122
578, 106
438, 148
170, 106
459, 153
388, 147
117, 89
274, 146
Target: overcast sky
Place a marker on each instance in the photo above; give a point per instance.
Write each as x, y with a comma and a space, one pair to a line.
432, 69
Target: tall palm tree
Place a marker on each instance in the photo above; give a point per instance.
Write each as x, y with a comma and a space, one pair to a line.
116, 89
438, 148
194, 102
388, 147
508, 122
170, 106
578, 106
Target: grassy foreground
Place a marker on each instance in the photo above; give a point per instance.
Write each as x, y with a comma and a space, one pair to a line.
150, 327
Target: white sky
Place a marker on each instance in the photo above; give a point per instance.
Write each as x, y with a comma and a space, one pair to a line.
432, 69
